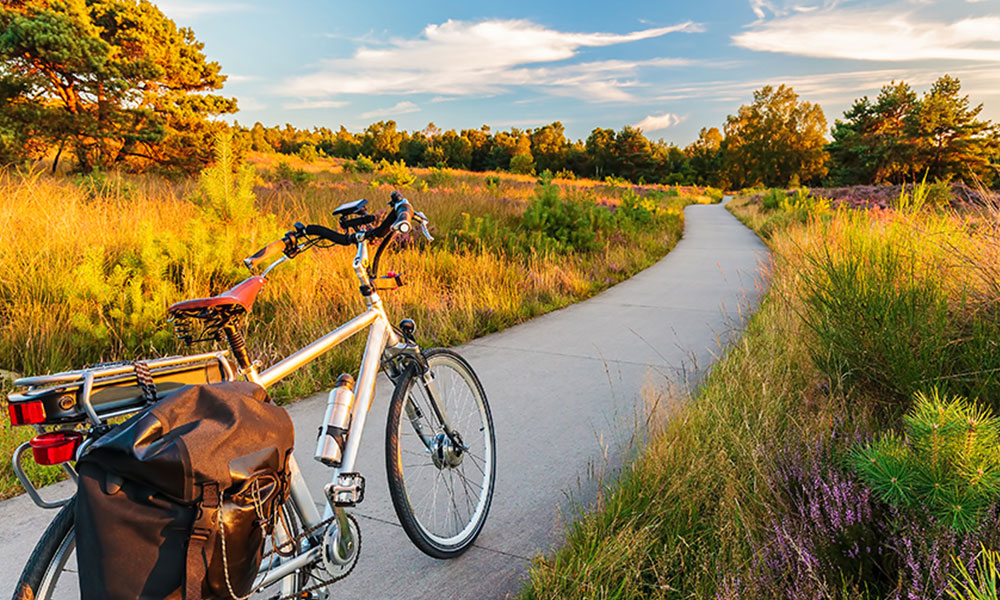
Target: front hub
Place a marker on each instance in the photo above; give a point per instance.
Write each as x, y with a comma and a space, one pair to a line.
445, 454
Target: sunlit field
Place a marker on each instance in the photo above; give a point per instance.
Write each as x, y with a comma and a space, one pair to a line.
89, 264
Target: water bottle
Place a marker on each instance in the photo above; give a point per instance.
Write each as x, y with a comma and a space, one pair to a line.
333, 434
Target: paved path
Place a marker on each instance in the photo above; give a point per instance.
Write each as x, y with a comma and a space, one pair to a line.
564, 389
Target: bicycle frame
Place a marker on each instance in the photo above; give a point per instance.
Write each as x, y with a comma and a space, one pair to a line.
383, 343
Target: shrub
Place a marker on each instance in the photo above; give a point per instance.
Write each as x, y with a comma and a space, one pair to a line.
565, 174
564, 221
395, 174
439, 177
947, 461
226, 188
773, 198
636, 209
361, 164
308, 153
981, 582
522, 164
285, 172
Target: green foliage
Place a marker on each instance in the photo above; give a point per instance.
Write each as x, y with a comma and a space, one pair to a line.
226, 188
116, 79
981, 584
439, 177
947, 461
775, 138
898, 136
308, 153
99, 183
395, 174
285, 172
522, 164
637, 209
569, 223
361, 164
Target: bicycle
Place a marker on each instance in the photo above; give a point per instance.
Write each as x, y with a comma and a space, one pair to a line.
439, 431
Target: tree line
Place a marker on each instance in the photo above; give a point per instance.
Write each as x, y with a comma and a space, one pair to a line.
117, 83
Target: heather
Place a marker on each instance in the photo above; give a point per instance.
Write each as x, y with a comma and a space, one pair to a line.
843, 448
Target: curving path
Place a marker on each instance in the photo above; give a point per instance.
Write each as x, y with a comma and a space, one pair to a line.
564, 389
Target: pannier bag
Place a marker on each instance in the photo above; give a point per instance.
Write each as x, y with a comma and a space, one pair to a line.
163, 493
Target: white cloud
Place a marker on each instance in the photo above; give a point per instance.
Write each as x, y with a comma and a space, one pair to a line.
233, 78
401, 108
459, 58
882, 34
246, 103
313, 104
658, 122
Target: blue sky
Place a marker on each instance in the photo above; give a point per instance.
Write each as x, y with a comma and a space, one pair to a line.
669, 67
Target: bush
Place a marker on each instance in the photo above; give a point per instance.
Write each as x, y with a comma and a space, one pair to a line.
440, 177
570, 224
226, 188
299, 177
522, 164
308, 153
395, 174
361, 164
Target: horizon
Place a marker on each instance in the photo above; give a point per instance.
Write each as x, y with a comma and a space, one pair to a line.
668, 71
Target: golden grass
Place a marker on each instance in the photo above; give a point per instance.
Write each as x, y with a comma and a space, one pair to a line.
88, 266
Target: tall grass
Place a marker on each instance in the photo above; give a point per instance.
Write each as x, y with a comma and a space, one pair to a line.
87, 269
746, 490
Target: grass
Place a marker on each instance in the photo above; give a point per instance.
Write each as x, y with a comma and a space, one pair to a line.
743, 491
88, 265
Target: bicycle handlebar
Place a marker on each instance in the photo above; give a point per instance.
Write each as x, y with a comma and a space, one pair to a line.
397, 220
266, 253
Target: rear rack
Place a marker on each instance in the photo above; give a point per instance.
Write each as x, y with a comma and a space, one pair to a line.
103, 392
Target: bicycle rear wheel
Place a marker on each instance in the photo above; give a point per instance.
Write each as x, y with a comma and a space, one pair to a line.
51, 574
441, 492
51, 570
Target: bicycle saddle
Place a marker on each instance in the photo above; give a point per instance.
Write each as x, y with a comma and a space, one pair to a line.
238, 297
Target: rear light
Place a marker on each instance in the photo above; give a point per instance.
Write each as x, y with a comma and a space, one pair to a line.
26, 413
55, 447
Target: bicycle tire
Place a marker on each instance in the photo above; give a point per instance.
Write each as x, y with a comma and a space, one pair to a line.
59, 532
422, 533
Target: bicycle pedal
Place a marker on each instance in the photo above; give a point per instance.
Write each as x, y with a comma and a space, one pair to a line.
348, 490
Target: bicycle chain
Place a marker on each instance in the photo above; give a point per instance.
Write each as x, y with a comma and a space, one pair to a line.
309, 590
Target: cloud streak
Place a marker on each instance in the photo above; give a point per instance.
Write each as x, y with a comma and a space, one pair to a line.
459, 58
401, 108
868, 34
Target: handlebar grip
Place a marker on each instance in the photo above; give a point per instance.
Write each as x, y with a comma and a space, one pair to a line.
266, 253
404, 214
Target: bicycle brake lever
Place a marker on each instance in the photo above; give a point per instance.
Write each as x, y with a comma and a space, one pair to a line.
423, 226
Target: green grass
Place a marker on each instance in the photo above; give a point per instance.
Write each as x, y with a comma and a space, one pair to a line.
864, 309
94, 282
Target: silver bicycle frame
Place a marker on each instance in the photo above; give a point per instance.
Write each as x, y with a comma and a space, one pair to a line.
382, 340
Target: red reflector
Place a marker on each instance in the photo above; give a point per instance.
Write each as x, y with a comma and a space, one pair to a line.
26, 413
55, 447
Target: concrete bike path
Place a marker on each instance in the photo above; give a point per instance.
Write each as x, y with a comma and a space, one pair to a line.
564, 389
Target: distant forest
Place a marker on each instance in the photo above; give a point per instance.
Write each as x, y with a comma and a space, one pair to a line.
116, 84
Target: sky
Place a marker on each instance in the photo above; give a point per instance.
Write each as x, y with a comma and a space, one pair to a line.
666, 66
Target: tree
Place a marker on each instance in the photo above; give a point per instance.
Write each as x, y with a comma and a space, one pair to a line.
705, 158
873, 143
600, 149
381, 141
116, 79
899, 137
548, 146
633, 155
950, 140
774, 139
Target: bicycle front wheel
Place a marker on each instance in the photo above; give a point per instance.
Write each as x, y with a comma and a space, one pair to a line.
441, 490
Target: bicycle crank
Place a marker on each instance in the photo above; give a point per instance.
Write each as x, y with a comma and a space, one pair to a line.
341, 545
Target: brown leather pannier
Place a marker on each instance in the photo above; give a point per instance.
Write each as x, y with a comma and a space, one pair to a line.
160, 494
